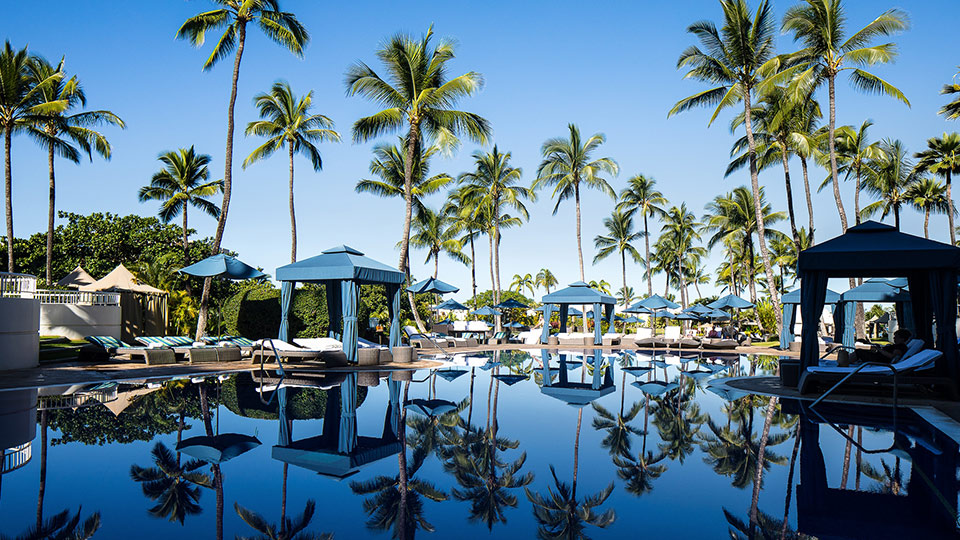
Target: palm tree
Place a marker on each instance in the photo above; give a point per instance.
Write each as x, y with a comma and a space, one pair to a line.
854, 155
432, 232
461, 210
928, 195
494, 189
892, 176
175, 486
942, 158
740, 60
61, 134
287, 121
419, 98
289, 529
951, 110
21, 105
641, 196
520, 283
181, 183
626, 295
682, 228
617, 441
546, 279
820, 26
568, 163
63, 525
388, 165
282, 28
618, 240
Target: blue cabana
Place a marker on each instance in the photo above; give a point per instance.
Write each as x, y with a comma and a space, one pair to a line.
342, 270
872, 290
873, 249
578, 293
577, 394
790, 302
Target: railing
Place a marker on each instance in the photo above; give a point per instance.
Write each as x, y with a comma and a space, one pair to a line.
89, 298
16, 457
17, 285
83, 398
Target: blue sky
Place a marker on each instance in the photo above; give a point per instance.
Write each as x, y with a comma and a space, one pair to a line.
608, 67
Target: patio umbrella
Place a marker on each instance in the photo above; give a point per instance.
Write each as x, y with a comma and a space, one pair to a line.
718, 314
511, 379
218, 448
450, 374
656, 302
451, 305
686, 316
511, 304
574, 312
698, 309
430, 407
445, 321
663, 314
432, 285
513, 325
222, 266
485, 310
730, 301
655, 388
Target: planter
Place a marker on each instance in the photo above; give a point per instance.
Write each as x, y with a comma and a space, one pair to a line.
403, 355
790, 372
386, 356
794, 346
368, 356
553, 340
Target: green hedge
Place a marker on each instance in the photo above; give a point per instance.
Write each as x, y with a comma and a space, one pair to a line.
240, 396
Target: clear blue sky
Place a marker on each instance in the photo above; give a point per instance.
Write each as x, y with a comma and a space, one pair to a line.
609, 67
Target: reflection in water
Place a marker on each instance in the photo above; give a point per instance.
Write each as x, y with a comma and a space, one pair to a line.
173, 484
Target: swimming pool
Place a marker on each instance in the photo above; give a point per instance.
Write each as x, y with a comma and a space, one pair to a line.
483, 446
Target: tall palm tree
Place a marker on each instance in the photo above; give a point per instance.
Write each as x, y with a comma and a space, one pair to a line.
520, 283
60, 133
175, 486
928, 195
388, 166
568, 163
181, 183
892, 176
682, 228
286, 122
641, 196
465, 219
419, 99
739, 59
546, 279
494, 187
951, 111
20, 106
820, 26
431, 231
289, 529
854, 155
63, 525
233, 16
942, 158
619, 239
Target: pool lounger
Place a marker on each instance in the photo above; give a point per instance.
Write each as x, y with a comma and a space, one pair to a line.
909, 373
151, 355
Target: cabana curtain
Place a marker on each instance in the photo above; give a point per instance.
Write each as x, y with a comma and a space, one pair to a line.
286, 299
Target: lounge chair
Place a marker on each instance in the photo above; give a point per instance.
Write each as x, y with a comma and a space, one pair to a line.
427, 341
498, 338
284, 350
151, 355
575, 338
717, 344
467, 340
186, 349
319, 344
911, 371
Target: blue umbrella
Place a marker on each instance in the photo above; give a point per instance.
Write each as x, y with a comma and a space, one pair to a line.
485, 310
451, 305
450, 374
698, 309
217, 448
445, 321
511, 379
655, 388
717, 314
430, 407
638, 309
223, 266
511, 304
631, 320
730, 301
432, 285
656, 302
574, 312
686, 316
664, 314
513, 325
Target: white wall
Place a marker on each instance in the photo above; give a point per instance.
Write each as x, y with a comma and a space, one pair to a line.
19, 337
18, 417
75, 321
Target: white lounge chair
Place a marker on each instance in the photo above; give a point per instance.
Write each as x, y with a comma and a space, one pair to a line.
319, 344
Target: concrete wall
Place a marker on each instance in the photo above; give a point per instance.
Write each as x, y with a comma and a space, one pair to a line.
78, 320
19, 333
18, 417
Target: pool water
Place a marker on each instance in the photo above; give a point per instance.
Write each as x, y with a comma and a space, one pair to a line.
483, 448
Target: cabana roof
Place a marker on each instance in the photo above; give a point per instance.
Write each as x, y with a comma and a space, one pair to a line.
578, 293
793, 297
875, 291
121, 279
76, 278
340, 263
875, 249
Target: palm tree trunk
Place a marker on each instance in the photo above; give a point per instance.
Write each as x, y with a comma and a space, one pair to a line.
283, 502
926, 222
576, 456
758, 479
576, 191
793, 461
413, 149
831, 140
856, 198
496, 264
227, 178
856, 479
293, 216
8, 187
646, 240
758, 211
806, 192
473, 265
846, 459
402, 466
43, 467
436, 264
51, 210
493, 281
186, 249
950, 210
473, 376
753, 269
789, 188
896, 217
623, 268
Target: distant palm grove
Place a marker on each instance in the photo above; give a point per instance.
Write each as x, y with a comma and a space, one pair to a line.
783, 107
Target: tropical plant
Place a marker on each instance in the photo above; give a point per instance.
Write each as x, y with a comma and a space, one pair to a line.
175, 486
681, 231
289, 529
61, 134
602, 285
641, 196
520, 283
419, 98
466, 220
181, 183
560, 515
928, 195
286, 122
626, 295
432, 231
854, 156
739, 59
20, 106
568, 163
952, 109
619, 239
62, 525
493, 189
618, 427
942, 158
282, 28
820, 27
893, 175
546, 279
